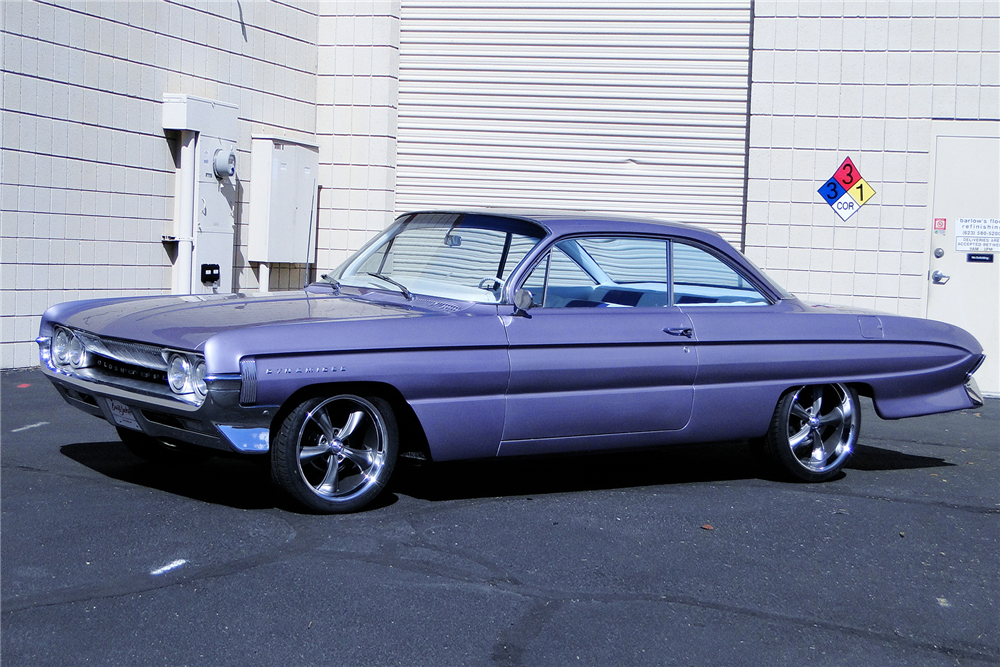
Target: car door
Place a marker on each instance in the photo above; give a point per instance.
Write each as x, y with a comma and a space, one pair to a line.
749, 344
602, 353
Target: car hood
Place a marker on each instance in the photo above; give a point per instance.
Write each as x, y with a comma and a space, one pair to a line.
187, 322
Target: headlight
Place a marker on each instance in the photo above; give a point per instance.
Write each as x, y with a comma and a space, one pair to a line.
186, 375
68, 349
77, 353
178, 374
198, 379
60, 347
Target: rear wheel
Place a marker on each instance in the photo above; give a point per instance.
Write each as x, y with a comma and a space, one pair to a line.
158, 451
335, 455
813, 431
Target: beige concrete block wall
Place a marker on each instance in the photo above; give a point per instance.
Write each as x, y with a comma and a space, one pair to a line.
357, 92
86, 178
862, 80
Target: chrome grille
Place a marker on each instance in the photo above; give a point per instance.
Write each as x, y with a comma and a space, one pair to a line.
136, 354
121, 369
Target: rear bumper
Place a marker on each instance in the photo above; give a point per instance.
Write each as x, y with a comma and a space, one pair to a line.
972, 389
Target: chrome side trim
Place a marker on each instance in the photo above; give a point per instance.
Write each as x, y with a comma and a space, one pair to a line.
248, 374
223, 377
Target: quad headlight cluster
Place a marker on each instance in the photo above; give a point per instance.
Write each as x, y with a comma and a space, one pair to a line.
68, 350
185, 372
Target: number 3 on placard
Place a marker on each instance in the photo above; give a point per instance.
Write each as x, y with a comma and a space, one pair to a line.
848, 177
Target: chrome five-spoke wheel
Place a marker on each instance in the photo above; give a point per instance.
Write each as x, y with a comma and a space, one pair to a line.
336, 454
814, 430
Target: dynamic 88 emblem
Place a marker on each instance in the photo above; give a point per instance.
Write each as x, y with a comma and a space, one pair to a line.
846, 191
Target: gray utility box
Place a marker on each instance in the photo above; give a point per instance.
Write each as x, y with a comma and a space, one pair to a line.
206, 192
283, 182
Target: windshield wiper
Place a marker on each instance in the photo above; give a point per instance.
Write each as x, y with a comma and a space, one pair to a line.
402, 288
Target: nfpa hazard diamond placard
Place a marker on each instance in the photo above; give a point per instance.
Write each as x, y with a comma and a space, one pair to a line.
846, 191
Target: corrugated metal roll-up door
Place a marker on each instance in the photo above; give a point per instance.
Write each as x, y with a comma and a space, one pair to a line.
625, 107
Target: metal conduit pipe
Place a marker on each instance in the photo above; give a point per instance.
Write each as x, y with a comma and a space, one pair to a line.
184, 212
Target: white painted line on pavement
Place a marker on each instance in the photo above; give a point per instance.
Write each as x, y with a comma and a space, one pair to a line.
166, 568
25, 428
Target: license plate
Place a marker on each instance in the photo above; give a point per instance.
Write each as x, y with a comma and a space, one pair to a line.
122, 414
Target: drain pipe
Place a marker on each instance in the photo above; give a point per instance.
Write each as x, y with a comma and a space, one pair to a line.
184, 213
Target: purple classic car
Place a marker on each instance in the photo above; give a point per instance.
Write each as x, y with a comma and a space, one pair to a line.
473, 334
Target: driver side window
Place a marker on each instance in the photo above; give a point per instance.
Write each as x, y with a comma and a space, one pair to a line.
601, 272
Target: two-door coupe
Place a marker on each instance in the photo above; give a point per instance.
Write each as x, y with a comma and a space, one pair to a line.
473, 334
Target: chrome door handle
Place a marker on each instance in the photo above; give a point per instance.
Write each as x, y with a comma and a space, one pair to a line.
939, 278
679, 331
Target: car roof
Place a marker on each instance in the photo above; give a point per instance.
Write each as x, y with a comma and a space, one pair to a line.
561, 222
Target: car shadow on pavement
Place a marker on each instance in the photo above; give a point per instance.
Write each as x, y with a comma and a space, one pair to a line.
680, 464
234, 482
245, 483
866, 457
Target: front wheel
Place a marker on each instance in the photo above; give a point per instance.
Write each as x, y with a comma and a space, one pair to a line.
335, 455
814, 430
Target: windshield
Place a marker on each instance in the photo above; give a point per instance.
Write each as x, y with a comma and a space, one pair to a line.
450, 255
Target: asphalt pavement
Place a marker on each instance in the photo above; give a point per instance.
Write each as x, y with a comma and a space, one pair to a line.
685, 556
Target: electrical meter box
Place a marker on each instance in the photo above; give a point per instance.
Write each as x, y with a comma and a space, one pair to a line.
283, 182
215, 219
206, 191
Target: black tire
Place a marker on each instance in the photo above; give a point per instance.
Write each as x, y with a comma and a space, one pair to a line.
157, 451
335, 455
813, 431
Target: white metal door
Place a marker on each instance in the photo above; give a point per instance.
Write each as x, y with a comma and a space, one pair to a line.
964, 273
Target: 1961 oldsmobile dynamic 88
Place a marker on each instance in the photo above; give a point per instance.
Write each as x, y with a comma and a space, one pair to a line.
472, 334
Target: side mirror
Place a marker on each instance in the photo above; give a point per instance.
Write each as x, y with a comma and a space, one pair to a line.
523, 302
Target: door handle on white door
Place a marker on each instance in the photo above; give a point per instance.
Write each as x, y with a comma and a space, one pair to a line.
939, 278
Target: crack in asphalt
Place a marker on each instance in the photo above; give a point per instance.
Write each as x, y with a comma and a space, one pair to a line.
970, 509
511, 645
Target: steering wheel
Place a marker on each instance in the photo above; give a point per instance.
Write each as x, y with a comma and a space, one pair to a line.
490, 284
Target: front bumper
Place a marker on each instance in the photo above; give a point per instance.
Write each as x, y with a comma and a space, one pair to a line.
219, 423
